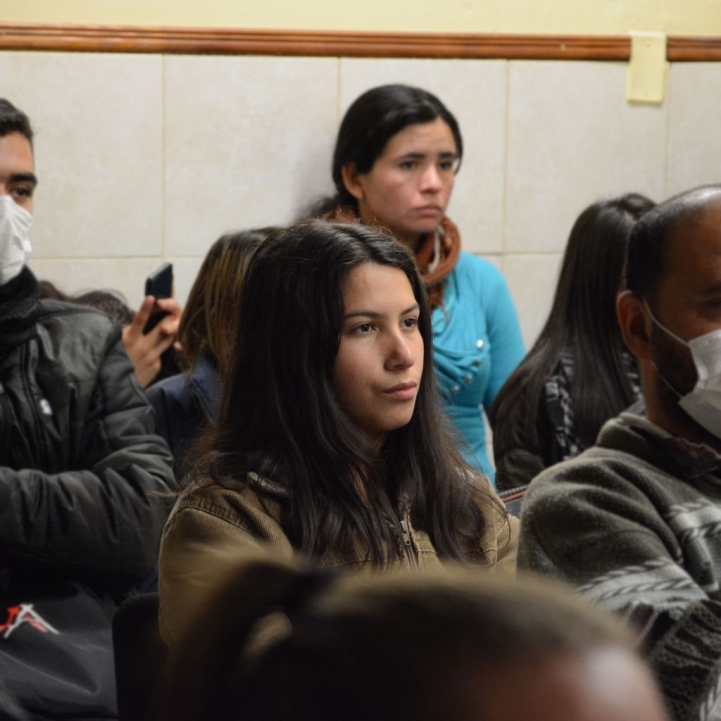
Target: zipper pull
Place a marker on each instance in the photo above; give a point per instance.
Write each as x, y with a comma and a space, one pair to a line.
408, 541
406, 534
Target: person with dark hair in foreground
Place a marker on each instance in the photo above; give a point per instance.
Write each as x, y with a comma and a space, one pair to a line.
395, 162
578, 373
281, 641
635, 521
82, 476
330, 440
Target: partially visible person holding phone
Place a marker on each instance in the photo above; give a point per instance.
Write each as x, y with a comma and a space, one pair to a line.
146, 339
154, 327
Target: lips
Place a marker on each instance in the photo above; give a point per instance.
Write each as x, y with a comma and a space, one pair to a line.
402, 391
429, 210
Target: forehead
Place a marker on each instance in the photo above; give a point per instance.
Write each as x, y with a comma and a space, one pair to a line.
693, 252
371, 286
16, 155
435, 135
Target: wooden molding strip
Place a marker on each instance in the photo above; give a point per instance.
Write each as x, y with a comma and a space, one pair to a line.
200, 41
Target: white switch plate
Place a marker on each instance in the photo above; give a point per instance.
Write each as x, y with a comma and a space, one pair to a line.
647, 71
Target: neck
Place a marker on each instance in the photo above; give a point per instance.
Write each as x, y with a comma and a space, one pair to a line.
410, 240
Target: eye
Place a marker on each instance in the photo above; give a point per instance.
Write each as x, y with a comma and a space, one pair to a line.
363, 328
411, 322
447, 166
22, 193
408, 164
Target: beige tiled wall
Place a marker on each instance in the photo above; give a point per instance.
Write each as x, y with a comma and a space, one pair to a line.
143, 157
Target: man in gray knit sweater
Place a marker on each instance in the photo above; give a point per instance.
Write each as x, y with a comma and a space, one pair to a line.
635, 522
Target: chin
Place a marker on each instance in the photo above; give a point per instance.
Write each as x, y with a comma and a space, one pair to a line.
429, 226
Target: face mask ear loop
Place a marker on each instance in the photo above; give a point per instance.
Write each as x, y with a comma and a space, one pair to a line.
670, 387
675, 337
663, 327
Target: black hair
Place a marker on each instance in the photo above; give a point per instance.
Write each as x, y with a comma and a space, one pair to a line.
110, 302
583, 322
370, 122
13, 120
280, 417
647, 246
289, 642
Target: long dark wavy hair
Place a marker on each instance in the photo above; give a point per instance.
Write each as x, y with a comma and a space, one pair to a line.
367, 126
209, 315
281, 419
582, 321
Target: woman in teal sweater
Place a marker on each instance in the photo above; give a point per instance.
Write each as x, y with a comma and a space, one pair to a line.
396, 157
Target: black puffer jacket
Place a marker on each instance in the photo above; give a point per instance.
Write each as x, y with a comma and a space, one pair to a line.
83, 498
80, 467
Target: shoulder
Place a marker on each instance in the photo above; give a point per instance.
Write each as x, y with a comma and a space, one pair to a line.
622, 474
471, 268
172, 388
210, 530
68, 320
245, 506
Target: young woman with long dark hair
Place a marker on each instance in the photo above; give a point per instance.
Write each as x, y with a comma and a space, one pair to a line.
579, 373
330, 441
396, 157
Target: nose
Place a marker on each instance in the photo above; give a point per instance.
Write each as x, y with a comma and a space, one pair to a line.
400, 353
431, 180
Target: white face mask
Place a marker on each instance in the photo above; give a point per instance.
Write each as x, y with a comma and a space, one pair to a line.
703, 403
14, 242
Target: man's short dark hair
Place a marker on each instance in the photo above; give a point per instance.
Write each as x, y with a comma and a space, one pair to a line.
646, 256
13, 120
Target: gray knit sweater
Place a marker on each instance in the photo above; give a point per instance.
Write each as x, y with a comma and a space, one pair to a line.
635, 525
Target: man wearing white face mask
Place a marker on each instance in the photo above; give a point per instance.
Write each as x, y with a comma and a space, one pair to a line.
82, 476
635, 522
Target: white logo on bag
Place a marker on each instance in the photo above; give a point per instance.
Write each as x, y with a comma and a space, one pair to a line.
24, 613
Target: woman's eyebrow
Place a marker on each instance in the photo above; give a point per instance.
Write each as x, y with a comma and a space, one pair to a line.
365, 313
376, 314
417, 155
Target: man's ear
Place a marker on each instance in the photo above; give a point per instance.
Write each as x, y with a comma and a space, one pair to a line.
351, 180
635, 322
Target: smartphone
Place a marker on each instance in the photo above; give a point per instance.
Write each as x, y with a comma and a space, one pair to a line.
159, 284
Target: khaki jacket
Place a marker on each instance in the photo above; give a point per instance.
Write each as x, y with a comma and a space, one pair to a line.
212, 528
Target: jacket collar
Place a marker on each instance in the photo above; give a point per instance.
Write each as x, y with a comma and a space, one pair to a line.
18, 309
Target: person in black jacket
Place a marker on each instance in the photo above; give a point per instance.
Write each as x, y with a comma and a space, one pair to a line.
83, 479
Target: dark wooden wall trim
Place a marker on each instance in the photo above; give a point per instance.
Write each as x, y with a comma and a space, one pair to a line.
192, 41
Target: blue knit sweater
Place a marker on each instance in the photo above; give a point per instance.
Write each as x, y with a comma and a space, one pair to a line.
477, 344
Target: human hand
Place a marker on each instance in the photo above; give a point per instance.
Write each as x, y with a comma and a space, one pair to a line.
144, 350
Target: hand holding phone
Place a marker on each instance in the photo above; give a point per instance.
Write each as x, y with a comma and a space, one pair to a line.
159, 284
